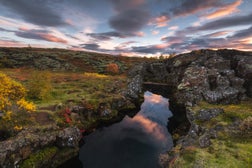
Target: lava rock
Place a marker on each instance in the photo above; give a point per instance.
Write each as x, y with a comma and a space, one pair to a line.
208, 114
31, 140
204, 141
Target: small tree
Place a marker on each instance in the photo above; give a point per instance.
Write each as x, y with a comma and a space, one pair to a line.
112, 68
12, 97
40, 85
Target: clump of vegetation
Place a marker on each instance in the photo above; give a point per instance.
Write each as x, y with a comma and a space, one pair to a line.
14, 108
39, 85
112, 68
246, 127
12, 97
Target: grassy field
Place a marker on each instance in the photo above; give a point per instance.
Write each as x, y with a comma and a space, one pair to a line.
67, 89
58, 79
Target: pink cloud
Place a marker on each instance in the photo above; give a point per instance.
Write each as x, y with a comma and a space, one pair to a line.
139, 34
173, 28
155, 32
40, 34
161, 21
24, 28
217, 34
225, 10
124, 45
161, 46
11, 43
247, 40
53, 38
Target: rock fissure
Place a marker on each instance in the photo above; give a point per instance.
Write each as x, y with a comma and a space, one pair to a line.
216, 77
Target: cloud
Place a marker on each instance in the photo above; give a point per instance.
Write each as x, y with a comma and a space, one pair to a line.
189, 7
131, 16
242, 33
227, 22
124, 45
155, 32
162, 20
5, 30
95, 47
34, 11
173, 28
217, 34
91, 46
139, 34
240, 39
12, 43
225, 10
216, 24
174, 39
130, 21
38, 34
153, 49
107, 35
193, 6
122, 5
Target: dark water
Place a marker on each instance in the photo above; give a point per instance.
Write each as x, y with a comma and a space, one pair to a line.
134, 142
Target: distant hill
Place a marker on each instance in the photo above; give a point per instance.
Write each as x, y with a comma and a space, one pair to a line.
64, 60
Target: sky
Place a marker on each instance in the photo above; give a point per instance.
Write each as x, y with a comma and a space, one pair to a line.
127, 27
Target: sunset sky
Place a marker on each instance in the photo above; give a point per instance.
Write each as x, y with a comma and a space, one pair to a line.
127, 27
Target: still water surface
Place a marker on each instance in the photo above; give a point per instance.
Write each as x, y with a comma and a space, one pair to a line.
134, 142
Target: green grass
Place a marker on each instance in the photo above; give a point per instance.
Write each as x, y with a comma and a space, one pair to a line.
92, 87
69, 89
231, 154
231, 112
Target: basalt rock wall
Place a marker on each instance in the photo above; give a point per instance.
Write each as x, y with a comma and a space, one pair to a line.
223, 76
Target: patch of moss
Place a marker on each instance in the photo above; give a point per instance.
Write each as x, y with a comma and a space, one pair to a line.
231, 113
219, 154
241, 111
40, 158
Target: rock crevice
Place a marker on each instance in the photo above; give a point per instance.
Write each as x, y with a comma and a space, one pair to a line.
217, 77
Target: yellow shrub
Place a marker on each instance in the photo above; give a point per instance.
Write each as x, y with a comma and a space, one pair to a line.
12, 97
23, 104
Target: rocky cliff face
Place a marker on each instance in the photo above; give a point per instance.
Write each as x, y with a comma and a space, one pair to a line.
216, 77
30, 142
222, 76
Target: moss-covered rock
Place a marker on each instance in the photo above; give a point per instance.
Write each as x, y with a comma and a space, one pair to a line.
34, 143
